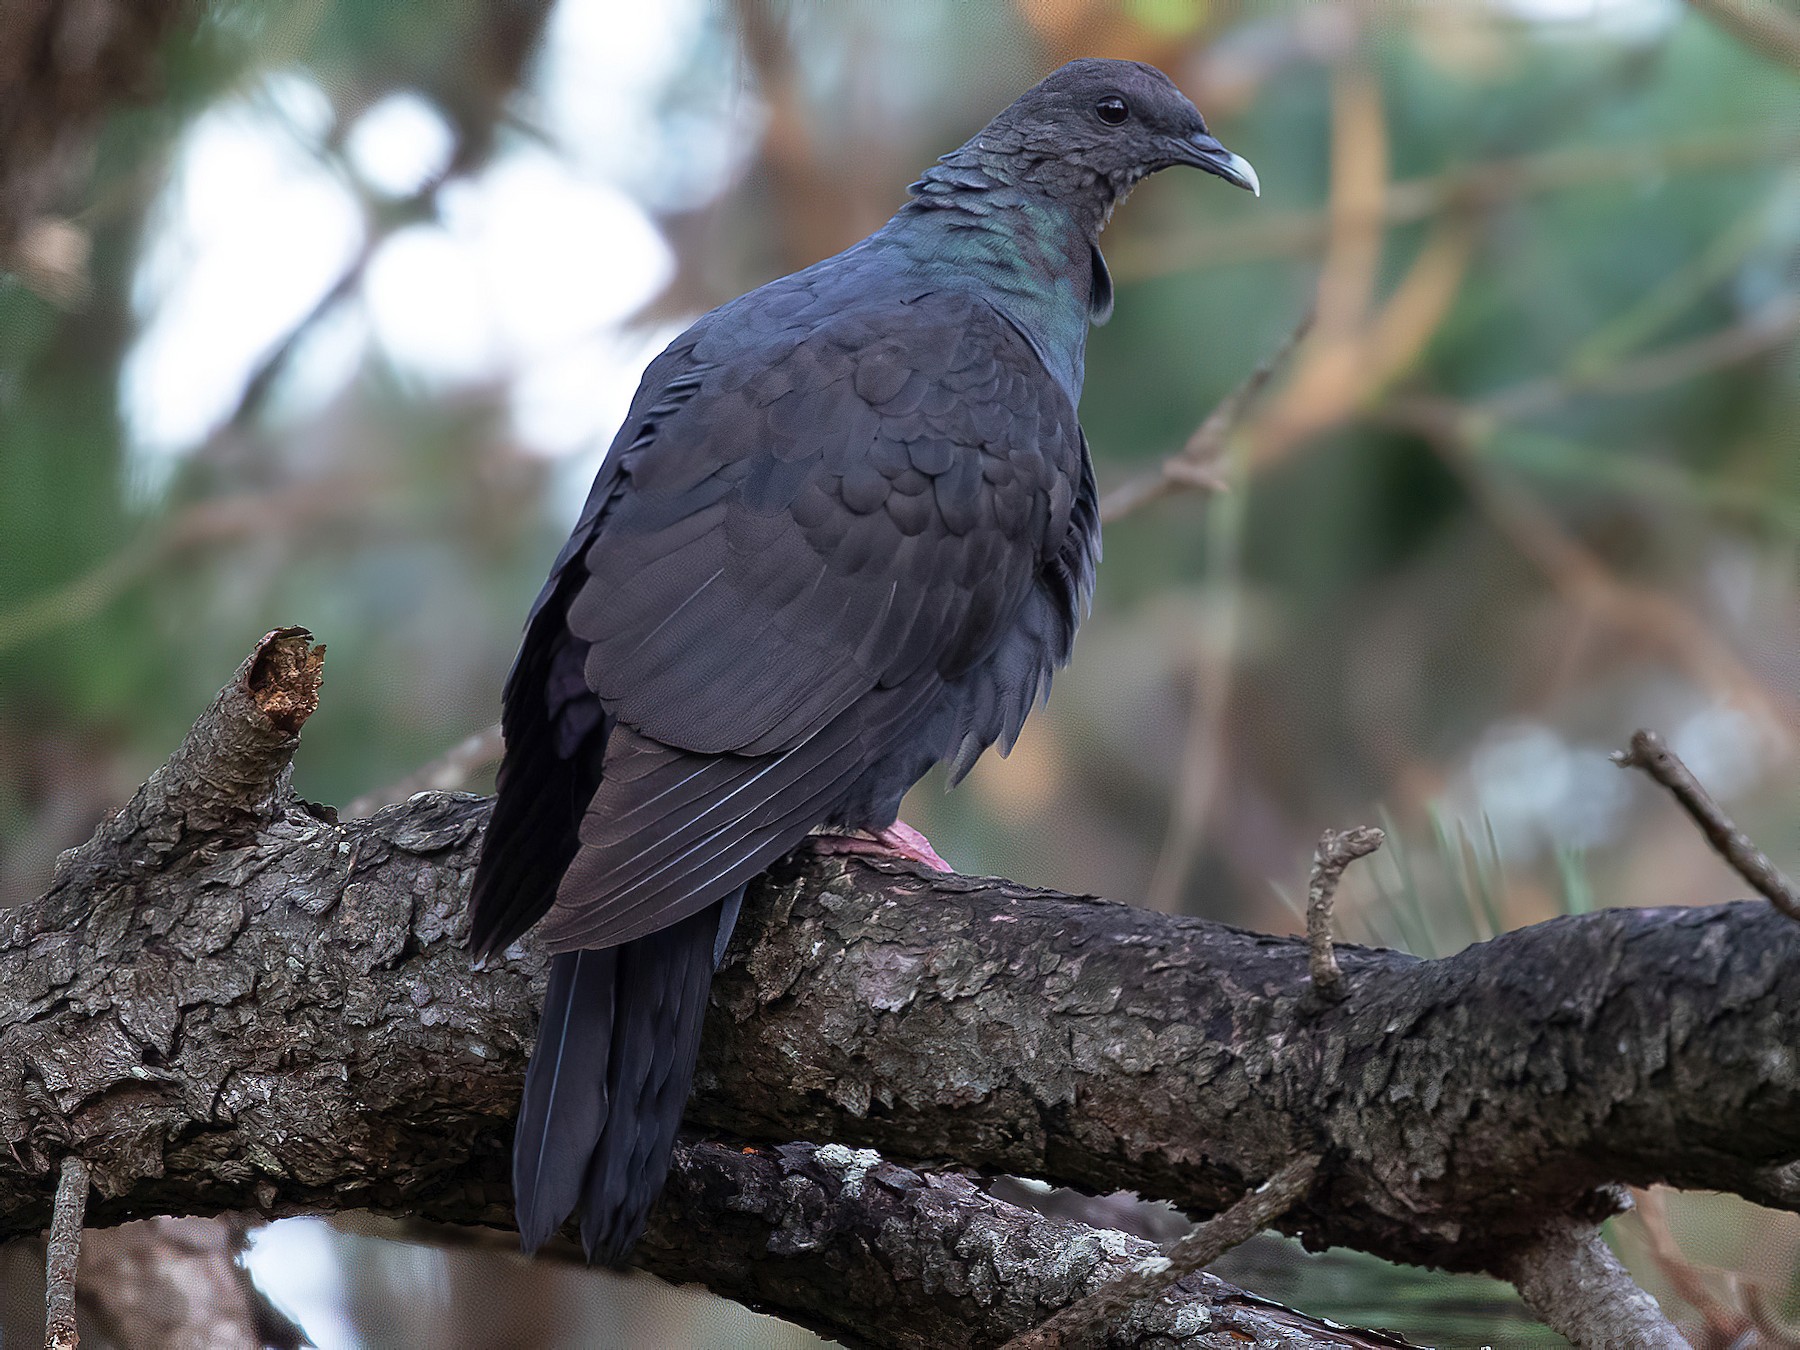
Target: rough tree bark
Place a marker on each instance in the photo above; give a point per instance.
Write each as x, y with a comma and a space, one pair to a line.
230, 1001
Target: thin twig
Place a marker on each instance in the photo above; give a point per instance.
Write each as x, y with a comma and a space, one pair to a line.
1335, 852
1649, 753
1196, 464
448, 772
1081, 1322
63, 1256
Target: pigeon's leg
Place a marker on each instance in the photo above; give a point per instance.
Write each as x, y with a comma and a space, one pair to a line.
898, 840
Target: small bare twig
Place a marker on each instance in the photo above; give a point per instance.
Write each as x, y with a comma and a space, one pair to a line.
63, 1256
448, 772
1573, 1282
1196, 464
1082, 1322
1649, 753
1336, 851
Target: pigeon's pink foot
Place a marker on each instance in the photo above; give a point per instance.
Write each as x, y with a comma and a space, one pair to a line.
898, 840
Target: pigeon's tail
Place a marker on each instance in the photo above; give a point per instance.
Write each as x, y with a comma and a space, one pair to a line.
609, 1079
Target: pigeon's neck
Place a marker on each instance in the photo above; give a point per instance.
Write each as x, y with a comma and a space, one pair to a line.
1028, 244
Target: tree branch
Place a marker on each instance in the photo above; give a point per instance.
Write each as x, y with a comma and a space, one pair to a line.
230, 773
229, 1002
871, 1253
1582, 576
1468, 188
1721, 1323
1760, 25
1571, 1279
289, 510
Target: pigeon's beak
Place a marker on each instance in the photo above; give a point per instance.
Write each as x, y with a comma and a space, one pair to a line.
1204, 152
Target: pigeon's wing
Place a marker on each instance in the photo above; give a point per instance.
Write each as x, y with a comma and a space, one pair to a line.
556, 730
821, 531
556, 733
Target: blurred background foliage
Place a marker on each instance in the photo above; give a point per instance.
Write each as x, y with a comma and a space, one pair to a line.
330, 320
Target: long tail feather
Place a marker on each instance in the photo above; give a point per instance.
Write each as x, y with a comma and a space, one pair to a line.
609, 1080
565, 1105
664, 979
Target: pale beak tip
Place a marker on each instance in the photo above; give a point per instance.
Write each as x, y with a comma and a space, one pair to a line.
1246, 174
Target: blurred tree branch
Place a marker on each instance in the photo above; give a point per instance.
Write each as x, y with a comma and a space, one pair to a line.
1761, 25
176, 1284
1746, 1314
62, 66
1586, 580
449, 772
229, 1000
1467, 190
289, 510
1765, 330
1198, 465
1358, 347
1463, 434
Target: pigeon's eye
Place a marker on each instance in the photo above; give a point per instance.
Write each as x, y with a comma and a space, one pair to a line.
1112, 111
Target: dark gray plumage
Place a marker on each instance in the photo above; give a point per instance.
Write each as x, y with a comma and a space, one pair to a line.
846, 532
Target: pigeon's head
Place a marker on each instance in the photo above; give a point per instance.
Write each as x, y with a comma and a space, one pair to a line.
1109, 124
